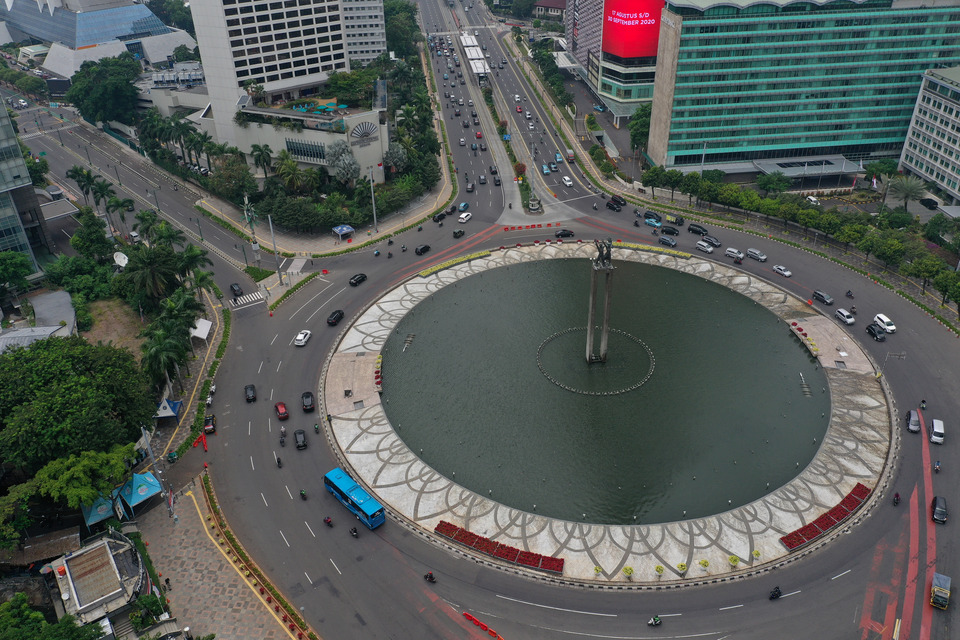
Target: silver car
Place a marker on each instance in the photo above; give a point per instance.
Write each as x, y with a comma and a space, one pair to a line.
913, 421
844, 316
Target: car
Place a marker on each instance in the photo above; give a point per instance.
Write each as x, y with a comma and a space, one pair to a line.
528, 116
483, 146
844, 316
456, 112
476, 33
553, 166
281, 409
567, 182
493, 169
613, 206
939, 507
446, 76
250, 393
667, 241
306, 400
757, 255
482, 179
496, 180
736, 254
466, 124
885, 322
564, 233
440, 216
599, 107
652, 215
670, 231
650, 222
620, 200
697, 229
929, 203
130, 206
473, 113
210, 424
236, 290
302, 338
782, 270
462, 81
458, 233
473, 147
479, 135
300, 439
463, 142
422, 249
463, 206
703, 246
357, 279
712, 240
558, 158
519, 109
470, 187
334, 318
470, 103
531, 127
823, 297
877, 332
545, 169
813, 200
913, 421
465, 217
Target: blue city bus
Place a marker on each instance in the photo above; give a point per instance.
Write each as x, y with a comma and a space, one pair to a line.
354, 497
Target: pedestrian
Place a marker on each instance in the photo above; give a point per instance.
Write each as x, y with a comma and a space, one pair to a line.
166, 581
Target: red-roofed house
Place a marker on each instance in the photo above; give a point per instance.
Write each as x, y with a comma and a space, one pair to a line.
549, 9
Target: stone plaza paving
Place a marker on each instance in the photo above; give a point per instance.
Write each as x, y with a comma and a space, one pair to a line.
857, 447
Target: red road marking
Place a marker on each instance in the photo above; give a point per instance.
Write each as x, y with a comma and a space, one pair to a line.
913, 568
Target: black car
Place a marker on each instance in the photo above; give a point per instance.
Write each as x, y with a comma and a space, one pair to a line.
619, 200
564, 233
466, 124
824, 297
613, 205
250, 392
440, 216
452, 208
711, 241
236, 290
473, 113
667, 241
877, 332
493, 169
670, 231
483, 180
300, 438
929, 203
422, 249
496, 180
652, 215
357, 279
307, 401
334, 318
210, 424
458, 233
939, 507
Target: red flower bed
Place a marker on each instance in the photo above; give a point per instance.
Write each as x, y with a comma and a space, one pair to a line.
860, 492
850, 503
792, 540
483, 545
839, 513
825, 522
551, 564
529, 559
506, 553
466, 538
809, 532
447, 529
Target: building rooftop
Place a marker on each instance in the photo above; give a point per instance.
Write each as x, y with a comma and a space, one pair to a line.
99, 579
551, 4
703, 5
951, 75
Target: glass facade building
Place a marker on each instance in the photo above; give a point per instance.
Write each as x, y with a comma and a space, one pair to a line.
742, 81
13, 175
932, 150
81, 28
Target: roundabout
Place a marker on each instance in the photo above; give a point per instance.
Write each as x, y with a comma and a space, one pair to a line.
854, 450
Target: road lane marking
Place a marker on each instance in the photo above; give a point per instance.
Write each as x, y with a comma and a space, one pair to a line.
736, 606
335, 566
284, 537
279, 364
309, 529
840, 575
544, 606
308, 578
262, 497
252, 467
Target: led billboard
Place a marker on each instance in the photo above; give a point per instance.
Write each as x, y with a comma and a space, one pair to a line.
631, 28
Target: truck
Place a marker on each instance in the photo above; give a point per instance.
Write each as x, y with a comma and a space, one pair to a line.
570, 155
940, 591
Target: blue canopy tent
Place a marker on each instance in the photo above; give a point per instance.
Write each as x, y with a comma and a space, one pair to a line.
343, 230
101, 509
139, 488
168, 409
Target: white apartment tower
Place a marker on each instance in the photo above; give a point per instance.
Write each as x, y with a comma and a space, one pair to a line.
364, 28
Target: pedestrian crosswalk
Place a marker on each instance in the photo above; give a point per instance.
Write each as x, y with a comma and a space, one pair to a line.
246, 300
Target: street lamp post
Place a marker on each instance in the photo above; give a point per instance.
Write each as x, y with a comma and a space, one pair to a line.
88, 155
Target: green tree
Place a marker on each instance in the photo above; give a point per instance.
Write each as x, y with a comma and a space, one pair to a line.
90, 239
927, 267
907, 188
690, 185
673, 179
654, 177
81, 479
146, 224
190, 259
262, 157
183, 53
63, 396
31, 85
640, 126
18, 621
104, 90
165, 234
523, 8
15, 518
152, 271
175, 13
944, 282
851, 233
403, 32
880, 168
775, 182
233, 179
102, 191
37, 167
84, 179
14, 269
869, 243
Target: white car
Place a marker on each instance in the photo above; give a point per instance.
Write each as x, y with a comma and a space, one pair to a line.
844, 316
567, 182
530, 126
463, 142
706, 247
885, 322
782, 270
465, 216
302, 338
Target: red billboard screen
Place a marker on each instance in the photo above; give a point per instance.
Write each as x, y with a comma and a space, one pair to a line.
631, 28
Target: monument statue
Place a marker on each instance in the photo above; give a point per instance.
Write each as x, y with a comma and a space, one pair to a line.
603, 262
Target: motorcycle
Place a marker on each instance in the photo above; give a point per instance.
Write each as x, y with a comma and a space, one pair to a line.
936, 467
850, 294
209, 400
283, 441
279, 464
428, 576
316, 428
896, 499
303, 494
595, 208
354, 533
283, 431
636, 223
213, 389
654, 621
328, 521
923, 405
403, 247
389, 254
390, 241
853, 310
776, 593
376, 253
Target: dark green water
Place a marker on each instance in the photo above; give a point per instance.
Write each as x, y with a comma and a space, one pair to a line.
722, 417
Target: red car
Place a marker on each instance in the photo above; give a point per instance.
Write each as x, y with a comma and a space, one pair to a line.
479, 135
281, 411
519, 109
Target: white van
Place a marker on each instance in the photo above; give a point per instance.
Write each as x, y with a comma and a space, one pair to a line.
813, 200
516, 98
736, 254
936, 431
134, 237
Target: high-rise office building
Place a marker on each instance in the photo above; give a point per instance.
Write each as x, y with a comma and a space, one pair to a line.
16, 187
932, 150
364, 29
740, 82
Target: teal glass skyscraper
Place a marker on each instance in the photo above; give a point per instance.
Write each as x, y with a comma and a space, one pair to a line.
13, 175
739, 81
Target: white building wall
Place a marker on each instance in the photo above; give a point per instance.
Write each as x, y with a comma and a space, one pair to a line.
364, 28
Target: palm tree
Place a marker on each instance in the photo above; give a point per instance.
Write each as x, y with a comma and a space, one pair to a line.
120, 205
201, 280
102, 191
161, 352
191, 259
216, 150
84, 179
204, 140
261, 157
289, 171
165, 234
152, 270
146, 224
907, 188
180, 130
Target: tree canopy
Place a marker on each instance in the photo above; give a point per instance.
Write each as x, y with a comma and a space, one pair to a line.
14, 269
403, 32
104, 90
62, 396
20, 622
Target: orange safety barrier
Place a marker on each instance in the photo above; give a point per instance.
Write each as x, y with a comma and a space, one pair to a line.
483, 626
467, 616
492, 633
